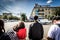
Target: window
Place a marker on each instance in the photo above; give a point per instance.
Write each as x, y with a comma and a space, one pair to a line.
49, 12
40, 13
36, 10
46, 9
41, 10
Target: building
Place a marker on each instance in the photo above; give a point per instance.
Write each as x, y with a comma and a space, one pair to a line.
42, 11
8, 14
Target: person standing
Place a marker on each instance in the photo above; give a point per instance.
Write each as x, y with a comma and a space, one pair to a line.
21, 31
36, 30
54, 31
3, 35
12, 34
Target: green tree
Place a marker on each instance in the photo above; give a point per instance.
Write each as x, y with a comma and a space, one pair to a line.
0, 16
23, 17
45, 16
5, 17
13, 18
57, 11
10, 17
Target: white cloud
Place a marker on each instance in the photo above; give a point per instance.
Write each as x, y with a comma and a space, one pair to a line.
49, 1
9, 0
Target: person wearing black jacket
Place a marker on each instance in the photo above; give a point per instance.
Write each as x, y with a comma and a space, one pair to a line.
3, 35
36, 30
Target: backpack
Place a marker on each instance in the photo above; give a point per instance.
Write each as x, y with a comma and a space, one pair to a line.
21, 33
4, 36
37, 31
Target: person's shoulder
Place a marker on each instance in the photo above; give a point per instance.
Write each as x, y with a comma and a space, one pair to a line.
22, 29
39, 23
31, 24
6, 36
54, 26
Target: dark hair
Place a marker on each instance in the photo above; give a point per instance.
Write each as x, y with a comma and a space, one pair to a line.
56, 18
2, 26
21, 25
35, 17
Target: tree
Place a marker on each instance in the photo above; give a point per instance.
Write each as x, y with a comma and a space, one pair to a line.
57, 11
9, 16
5, 17
23, 17
13, 18
45, 16
0, 16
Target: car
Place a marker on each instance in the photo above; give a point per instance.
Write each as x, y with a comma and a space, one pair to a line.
44, 21
5, 20
31, 20
12, 20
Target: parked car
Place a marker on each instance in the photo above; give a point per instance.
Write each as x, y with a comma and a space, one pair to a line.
12, 20
5, 20
44, 21
31, 20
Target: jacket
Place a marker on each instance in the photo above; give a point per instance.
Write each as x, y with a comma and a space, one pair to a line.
4, 36
21, 33
36, 31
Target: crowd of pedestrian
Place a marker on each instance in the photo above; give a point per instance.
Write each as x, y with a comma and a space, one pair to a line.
36, 31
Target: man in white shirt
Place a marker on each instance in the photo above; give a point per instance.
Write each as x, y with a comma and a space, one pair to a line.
54, 31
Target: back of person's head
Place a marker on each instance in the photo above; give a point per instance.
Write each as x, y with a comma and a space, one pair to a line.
35, 17
21, 25
57, 18
2, 26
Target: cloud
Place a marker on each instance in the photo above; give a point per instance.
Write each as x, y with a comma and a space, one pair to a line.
9, 0
49, 1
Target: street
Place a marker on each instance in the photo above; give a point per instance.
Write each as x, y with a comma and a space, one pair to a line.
10, 25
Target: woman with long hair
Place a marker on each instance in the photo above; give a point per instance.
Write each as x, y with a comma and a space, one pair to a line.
21, 31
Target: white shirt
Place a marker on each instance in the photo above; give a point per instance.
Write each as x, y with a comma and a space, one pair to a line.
54, 32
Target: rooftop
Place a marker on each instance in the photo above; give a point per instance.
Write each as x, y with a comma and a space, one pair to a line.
45, 6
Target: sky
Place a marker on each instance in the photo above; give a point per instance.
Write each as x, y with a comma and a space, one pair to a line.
23, 6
